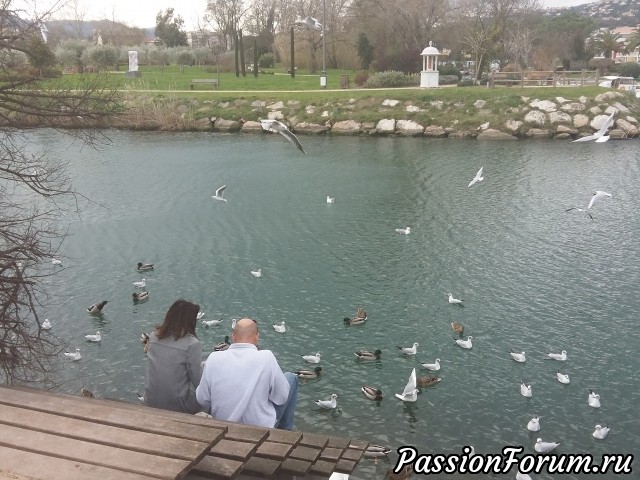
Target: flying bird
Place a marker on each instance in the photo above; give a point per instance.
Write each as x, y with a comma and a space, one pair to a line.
220, 194
580, 210
599, 136
598, 194
276, 126
310, 22
410, 392
477, 178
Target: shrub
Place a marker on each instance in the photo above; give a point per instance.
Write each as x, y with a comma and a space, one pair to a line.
466, 82
628, 69
266, 60
449, 69
361, 78
388, 79
448, 79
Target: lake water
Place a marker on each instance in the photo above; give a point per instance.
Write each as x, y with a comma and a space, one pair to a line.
532, 276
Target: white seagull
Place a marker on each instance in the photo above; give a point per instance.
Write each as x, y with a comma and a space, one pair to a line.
328, 404
432, 366
534, 424
140, 397
594, 399
600, 136
544, 447
563, 378
330, 199
220, 194
477, 178
211, 323
465, 343
518, 357
558, 356
276, 126
233, 323
46, 325
199, 315
406, 230
601, 432
525, 390
455, 301
279, 328
409, 350
94, 338
310, 22
410, 392
598, 194
55, 261
141, 284
311, 358
580, 210
73, 356
257, 273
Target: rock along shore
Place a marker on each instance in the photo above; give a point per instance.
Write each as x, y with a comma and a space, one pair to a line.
560, 118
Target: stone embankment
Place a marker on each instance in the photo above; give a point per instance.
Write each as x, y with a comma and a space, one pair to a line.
560, 118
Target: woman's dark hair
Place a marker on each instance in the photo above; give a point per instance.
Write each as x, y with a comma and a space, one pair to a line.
179, 321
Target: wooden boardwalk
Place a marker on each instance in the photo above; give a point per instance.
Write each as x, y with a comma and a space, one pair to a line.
47, 435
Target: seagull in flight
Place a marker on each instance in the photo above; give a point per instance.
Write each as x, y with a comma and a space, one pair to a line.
410, 392
477, 178
599, 136
220, 194
598, 194
310, 22
276, 126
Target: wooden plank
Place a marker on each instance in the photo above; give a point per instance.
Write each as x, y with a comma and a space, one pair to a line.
275, 450
245, 433
103, 434
301, 452
285, 436
331, 454
262, 467
218, 468
314, 440
295, 466
232, 449
352, 454
345, 466
323, 467
38, 466
92, 453
77, 407
338, 442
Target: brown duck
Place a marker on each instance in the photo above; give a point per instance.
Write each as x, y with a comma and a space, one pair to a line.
457, 327
427, 381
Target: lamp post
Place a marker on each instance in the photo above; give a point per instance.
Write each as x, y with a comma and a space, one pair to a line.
323, 75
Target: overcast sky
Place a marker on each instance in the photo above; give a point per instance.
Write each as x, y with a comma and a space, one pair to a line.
142, 13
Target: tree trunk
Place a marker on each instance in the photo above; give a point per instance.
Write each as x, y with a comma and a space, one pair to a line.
255, 57
293, 50
235, 43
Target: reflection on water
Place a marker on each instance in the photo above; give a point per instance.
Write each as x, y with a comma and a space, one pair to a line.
533, 277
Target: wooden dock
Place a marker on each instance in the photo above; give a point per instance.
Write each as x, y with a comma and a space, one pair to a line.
48, 435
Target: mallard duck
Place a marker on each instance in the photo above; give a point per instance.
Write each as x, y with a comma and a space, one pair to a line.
139, 297
372, 393
375, 452
367, 355
427, 381
223, 345
403, 474
457, 327
144, 338
143, 267
97, 307
354, 320
308, 374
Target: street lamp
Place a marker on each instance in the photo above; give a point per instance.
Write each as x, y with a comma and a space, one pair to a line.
323, 75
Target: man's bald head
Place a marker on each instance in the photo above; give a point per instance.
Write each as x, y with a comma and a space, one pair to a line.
246, 331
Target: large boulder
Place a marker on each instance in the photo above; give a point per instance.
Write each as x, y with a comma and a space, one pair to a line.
629, 129
251, 126
222, 125
598, 121
537, 132
390, 102
492, 134
409, 128
435, 131
386, 126
580, 120
559, 117
535, 117
513, 126
346, 127
573, 107
311, 128
544, 105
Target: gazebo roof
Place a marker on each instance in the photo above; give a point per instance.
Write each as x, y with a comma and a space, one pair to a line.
430, 50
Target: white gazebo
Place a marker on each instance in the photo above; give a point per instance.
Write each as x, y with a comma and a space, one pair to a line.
429, 77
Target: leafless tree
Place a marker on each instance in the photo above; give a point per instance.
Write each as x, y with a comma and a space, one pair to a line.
33, 190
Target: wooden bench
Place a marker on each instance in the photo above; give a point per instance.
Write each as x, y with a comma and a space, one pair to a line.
206, 81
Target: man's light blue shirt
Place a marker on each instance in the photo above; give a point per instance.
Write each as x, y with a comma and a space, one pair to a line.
242, 384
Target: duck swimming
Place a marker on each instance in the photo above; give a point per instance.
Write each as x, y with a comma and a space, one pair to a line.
372, 393
354, 320
97, 307
144, 267
222, 346
309, 374
139, 297
427, 381
457, 327
367, 355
